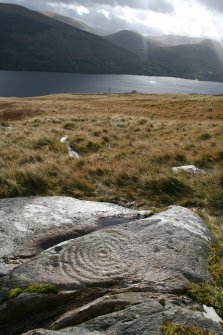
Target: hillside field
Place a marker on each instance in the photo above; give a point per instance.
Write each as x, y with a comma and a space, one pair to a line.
127, 143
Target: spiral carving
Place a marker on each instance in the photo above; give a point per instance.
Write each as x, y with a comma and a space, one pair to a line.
99, 258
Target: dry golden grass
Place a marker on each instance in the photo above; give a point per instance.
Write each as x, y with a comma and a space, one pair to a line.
127, 144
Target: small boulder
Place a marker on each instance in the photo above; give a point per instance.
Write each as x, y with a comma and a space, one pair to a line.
188, 169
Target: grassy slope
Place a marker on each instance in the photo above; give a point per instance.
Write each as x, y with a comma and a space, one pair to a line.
127, 144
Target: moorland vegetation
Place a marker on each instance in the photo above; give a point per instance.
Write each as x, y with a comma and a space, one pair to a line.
128, 144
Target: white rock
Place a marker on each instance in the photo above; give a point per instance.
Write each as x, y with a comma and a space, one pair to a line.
188, 168
145, 213
71, 152
64, 139
210, 313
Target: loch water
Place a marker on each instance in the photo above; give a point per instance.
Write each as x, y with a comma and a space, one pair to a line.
28, 84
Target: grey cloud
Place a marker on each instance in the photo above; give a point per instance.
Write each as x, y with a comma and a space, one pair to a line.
163, 6
103, 26
160, 6
95, 19
37, 5
154, 5
213, 4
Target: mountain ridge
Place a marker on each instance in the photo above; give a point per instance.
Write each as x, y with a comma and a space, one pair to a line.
68, 20
31, 41
200, 60
132, 41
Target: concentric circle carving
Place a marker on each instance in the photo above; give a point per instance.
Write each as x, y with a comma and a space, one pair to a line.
100, 257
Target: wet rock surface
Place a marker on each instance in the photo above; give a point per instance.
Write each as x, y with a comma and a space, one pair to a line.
116, 273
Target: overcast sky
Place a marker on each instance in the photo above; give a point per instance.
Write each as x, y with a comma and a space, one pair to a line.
201, 18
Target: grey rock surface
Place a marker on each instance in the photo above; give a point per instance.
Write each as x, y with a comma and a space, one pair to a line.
161, 253
113, 268
30, 225
144, 318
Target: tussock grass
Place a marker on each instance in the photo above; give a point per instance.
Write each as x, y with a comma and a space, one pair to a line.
127, 144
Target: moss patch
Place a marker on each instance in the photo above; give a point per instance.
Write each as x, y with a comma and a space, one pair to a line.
177, 329
209, 295
162, 302
15, 292
216, 264
34, 288
42, 289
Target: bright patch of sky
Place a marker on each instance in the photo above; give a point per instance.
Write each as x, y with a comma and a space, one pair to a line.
61, 7
188, 17
105, 13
